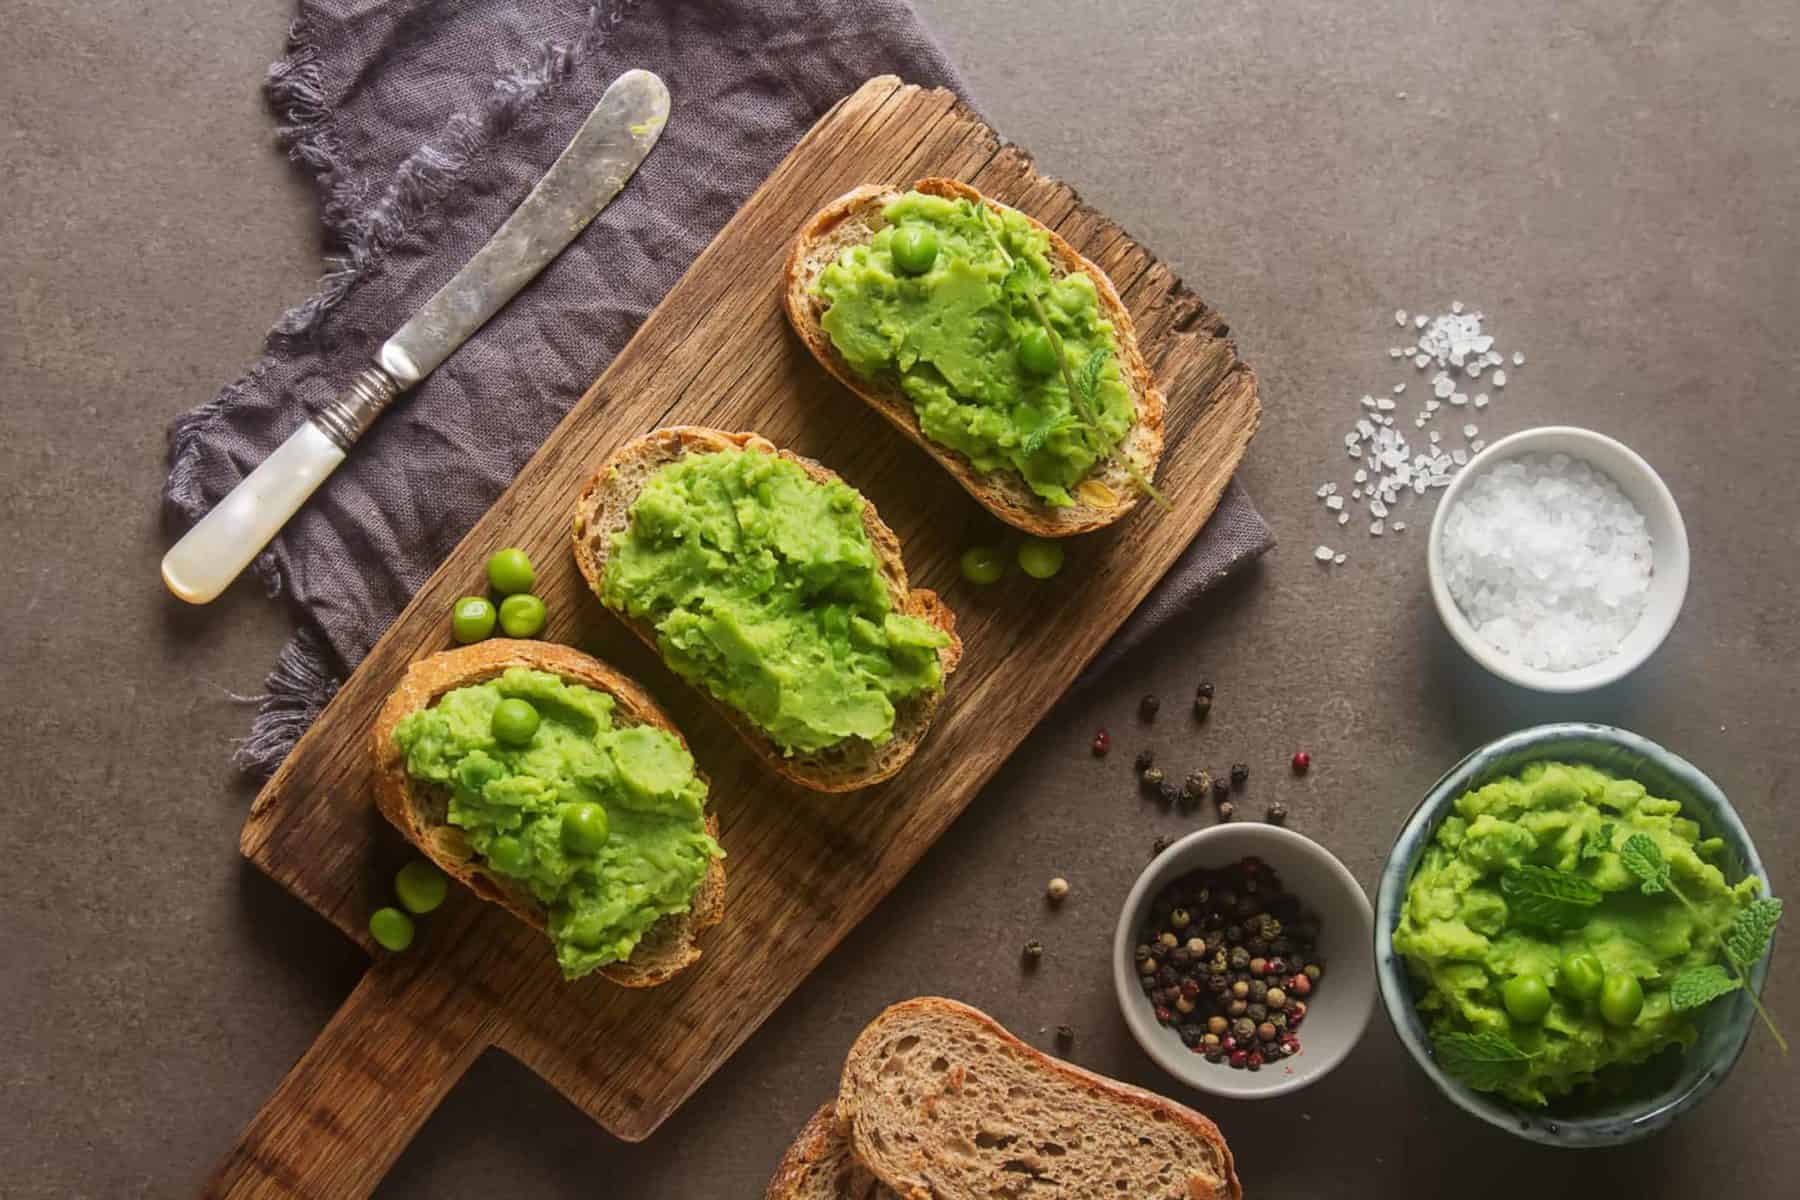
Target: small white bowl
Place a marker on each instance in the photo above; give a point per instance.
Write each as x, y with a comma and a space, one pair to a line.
1668, 557
1337, 1012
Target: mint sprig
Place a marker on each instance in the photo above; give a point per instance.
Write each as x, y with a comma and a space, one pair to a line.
1486, 1062
1746, 941
1550, 900
1697, 987
1596, 842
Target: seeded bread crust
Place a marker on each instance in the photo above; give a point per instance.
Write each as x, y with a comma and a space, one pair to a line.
419, 810
940, 1102
603, 509
1107, 493
819, 1166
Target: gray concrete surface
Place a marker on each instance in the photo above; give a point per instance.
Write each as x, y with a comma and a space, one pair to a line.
1613, 183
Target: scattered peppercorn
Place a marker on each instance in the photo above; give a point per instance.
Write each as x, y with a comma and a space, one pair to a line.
1143, 760
1162, 842
1102, 743
1151, 778
1302, 762
1203, 701
1240, 773
1195, 787
1166, 793
1057, 888
1148, 706
1226, 810
1221, 788
1065, 1036
1034, 950
1278, 813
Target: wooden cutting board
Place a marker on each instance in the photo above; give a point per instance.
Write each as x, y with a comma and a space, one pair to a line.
803, 869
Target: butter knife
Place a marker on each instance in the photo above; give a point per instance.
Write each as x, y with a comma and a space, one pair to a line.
597, 163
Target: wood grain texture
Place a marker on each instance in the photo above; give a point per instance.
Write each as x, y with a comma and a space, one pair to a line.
804, 867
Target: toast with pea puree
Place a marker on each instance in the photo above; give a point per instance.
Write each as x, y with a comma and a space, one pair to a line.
775, 589
627, 893
931, 305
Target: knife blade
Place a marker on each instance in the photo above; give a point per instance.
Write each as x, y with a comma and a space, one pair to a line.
595, 166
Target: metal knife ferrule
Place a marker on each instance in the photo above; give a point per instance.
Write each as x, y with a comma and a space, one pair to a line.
355, 408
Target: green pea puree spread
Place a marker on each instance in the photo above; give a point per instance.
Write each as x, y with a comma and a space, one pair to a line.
511, 802
764, 589
953, 336
1462, 945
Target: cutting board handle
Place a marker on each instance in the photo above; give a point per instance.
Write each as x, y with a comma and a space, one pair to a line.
356, 1097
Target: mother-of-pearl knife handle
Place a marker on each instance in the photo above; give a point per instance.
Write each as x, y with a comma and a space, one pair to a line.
215, 551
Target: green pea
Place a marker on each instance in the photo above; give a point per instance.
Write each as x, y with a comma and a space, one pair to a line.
584, 828
1040, 558
522, 616
1526, 998
1037, 353
1580, 975
421, 887
983, 564
515, 722
914, 247
1621, 998
509, 571
507, 855
472, 619
391, 929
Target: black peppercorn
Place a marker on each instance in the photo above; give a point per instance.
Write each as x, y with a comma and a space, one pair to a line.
1240, 774
1278, 813
1065, 1036
1203, 701
1226, 810
1161, 843
1221, 788
1034, 950
1147, 707
1166, 793
1144, 759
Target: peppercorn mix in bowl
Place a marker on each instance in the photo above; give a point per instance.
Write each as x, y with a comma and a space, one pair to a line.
1275, 904
1549, 935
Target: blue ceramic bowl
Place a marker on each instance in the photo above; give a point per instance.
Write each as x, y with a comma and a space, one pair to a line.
1724, 1025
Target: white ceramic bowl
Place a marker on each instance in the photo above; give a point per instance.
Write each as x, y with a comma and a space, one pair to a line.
1338, 1010
1668, 557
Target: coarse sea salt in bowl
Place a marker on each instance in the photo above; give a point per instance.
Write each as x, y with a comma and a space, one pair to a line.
1518, 537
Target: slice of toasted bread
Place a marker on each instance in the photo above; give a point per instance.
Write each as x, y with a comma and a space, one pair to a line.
604, 508
941, 1103
819, 1166
419, 810
1107, 493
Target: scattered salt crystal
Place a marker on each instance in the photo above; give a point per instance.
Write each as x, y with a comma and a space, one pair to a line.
1470, 431
1338, 560
1385, 404
1322, 553
1518, 358
1343, 518
1549, 560
1399, 387
1433, 405
1324, 490
1399, 316
1420, 320
1334, 503
1396, 351
1399, 526
1361, 476
1481, 400
1367, 402
1356, 493
1460, 457
1477, 446
1499, 378
1436, 437
1375, 528
1421, 361
1456, 307
1459, 398
1377, 508
1443, 387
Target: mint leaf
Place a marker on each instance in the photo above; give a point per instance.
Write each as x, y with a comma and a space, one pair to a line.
1700, 986
1596, 842
1485, 1061
1550, 900
1088, 378
1750, 934
1643, 858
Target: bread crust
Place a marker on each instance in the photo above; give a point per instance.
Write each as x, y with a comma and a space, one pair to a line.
819, 1166
869, 1152
603, 509
415, 809
854, 217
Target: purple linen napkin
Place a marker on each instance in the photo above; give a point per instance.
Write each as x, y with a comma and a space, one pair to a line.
423, 123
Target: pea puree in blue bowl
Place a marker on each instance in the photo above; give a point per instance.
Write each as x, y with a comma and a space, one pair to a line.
1519, 949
